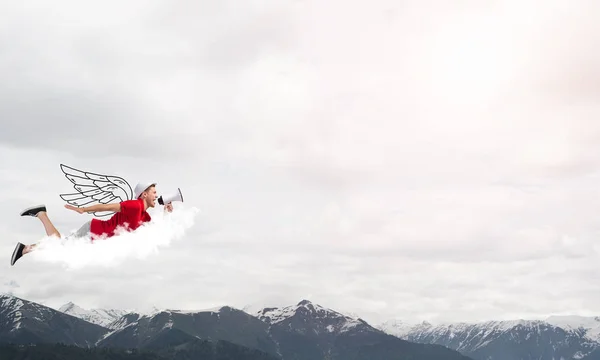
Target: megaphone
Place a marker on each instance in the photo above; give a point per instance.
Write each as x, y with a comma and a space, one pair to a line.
176, 196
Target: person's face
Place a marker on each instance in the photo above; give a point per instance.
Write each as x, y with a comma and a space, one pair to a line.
149, 197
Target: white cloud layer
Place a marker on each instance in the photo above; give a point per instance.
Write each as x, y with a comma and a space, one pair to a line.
421, 160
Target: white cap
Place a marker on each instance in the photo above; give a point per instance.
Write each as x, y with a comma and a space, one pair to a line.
140, 187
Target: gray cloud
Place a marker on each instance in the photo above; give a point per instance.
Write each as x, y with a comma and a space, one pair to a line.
421, 160
150, 78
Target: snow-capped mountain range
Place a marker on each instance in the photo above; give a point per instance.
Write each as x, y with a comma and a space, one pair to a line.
566, 337
590, 326
556, 337
23, 321
304, 331
570, 336
108, 318
96, 316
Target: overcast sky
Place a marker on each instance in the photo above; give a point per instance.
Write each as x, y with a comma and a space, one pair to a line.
417, 160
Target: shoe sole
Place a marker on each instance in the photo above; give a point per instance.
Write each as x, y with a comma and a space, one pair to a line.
42, 206
14, 257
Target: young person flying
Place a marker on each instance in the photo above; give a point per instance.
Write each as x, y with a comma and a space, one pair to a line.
129, 215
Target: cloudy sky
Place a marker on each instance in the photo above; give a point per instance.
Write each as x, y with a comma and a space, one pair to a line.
418, 160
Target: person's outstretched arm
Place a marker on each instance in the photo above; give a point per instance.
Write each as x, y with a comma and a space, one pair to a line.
99, 207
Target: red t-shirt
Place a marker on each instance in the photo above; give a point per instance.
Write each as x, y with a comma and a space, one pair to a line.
131, 216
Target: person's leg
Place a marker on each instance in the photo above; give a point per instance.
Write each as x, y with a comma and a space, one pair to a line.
48, 226
84, 230
40, 213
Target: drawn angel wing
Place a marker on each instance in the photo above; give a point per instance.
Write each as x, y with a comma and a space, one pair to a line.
95, 189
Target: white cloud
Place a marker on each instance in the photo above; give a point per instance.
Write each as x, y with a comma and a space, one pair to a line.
420, 160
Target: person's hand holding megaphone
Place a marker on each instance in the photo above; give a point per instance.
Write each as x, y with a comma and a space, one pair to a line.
169, 198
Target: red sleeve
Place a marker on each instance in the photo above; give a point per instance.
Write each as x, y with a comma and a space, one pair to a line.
130, 206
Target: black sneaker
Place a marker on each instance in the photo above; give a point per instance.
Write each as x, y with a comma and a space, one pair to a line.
17, 253
33, 211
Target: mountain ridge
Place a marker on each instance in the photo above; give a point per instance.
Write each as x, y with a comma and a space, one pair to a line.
304, 331
556, 337
307, 330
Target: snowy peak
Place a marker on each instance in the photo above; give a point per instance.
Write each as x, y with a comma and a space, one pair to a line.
20, 319
402, 329
19, 310
574, 321
11, 309
527, 339
100, 317
191, 312
309, 317
116, 319
72, 309
590, 325
9, 303
303, 308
